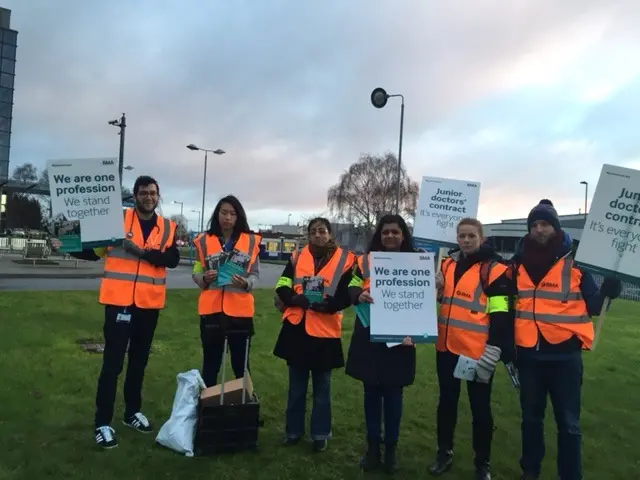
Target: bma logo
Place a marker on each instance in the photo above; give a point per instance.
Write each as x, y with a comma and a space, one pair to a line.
549, 285
474, 185
460, 293
423, 257
108, 162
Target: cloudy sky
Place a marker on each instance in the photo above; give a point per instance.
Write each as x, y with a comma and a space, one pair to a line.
528, 97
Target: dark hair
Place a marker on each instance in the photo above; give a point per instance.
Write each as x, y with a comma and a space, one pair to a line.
545, 201
241, 225
376, 240
321, 220
143, 181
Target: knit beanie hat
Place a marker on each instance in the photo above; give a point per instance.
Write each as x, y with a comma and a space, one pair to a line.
544, 211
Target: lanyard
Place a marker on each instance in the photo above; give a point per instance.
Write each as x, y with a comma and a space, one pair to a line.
228, 246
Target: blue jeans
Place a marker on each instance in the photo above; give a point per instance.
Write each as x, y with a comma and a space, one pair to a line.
562, 380
376, 401
297, 402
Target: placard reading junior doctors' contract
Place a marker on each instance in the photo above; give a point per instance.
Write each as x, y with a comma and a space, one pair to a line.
87, 191
610, 240
404, 297
443, 202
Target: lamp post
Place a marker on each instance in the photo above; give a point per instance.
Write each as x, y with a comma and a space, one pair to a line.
289, 220
121, 123
198, 212
181, 206
379, 98
206, 151
586, 193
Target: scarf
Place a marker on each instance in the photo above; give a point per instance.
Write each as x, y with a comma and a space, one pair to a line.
538, 259
322, 254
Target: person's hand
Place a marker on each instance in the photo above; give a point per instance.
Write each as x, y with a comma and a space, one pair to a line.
210, 275
487, 363
238, 281
407, 342
439, 281
365, 297
132, 248
611, 287
55, 243
300, 301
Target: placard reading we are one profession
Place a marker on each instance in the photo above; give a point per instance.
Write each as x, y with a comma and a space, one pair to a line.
87, 190
404, 297
442, 203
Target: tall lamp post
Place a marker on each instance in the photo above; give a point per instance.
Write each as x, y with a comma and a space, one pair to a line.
121, 123
586, 194
198, 212
181, 206
379, 98
206, 151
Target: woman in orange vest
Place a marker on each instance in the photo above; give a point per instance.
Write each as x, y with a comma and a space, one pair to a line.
474, 325
313, 289
226, 308
384, 371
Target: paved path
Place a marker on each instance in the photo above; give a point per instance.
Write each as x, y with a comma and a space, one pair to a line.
179, 277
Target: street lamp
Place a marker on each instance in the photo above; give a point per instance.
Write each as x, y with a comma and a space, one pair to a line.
289, 220
379, 98
206, 151
586, 192
181, 206
198, 212
121, 123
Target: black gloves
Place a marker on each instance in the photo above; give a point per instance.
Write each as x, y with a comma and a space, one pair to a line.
328, 305
300, 301
154, 257
611, 287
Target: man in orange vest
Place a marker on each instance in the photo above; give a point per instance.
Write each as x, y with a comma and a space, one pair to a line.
553, 306
133, 290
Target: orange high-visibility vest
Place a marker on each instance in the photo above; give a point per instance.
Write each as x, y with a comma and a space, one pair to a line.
129, 280
555, 307
321, 325
363, 265
463, 320
228, 299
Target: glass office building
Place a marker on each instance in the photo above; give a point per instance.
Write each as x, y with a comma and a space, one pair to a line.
8, 45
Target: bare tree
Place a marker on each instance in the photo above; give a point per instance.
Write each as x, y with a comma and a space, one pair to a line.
182, 228
367, 191
25, 173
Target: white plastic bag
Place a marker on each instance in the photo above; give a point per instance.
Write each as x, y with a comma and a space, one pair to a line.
178, 432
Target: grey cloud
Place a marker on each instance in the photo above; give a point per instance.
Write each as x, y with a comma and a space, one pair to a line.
282, 86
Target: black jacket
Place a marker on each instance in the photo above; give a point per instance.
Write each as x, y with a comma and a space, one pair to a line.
374, 363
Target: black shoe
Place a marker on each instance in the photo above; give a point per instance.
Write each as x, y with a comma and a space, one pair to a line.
138, 422
483, 472
442, 463
289, 441
390, 459
372, 459
106, 437
319, 445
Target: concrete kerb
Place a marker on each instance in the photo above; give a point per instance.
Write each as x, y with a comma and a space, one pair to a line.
51, 276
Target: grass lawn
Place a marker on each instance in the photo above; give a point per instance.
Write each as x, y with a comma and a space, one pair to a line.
48, 388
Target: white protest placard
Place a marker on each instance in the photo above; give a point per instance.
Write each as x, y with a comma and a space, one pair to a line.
442, 203
610, 240
86, 200
404, 297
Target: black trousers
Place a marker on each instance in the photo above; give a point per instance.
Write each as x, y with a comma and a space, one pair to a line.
212, 332
136, 333
480, 402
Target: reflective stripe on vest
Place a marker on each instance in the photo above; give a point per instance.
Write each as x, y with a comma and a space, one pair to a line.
554, 308
128, 279
316, 324
231, 300
330, 290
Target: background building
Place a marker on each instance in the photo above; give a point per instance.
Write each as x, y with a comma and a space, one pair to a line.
8, 44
